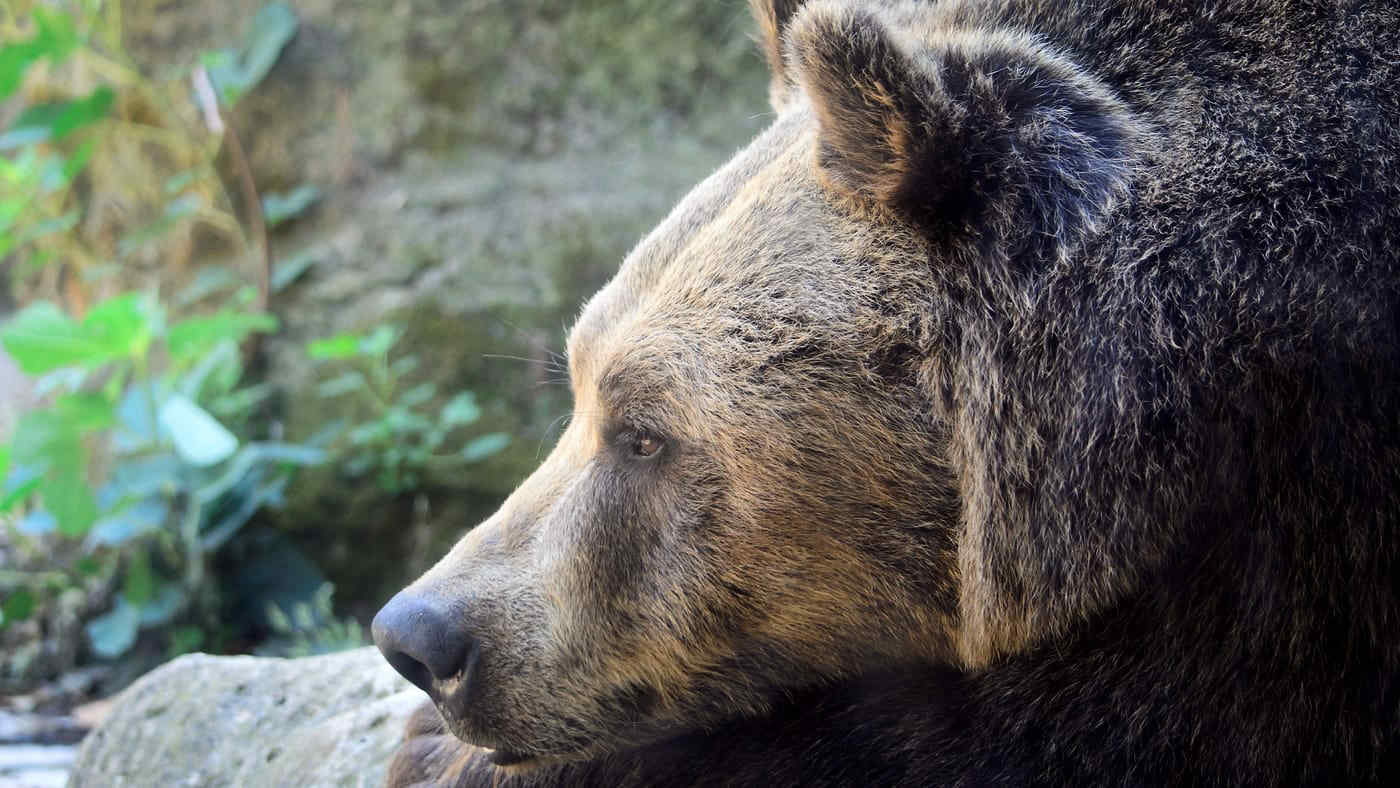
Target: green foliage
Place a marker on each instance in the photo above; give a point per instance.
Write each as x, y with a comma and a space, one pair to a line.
127, 459
123, 474
310, 628
279, 208
95, 176
236, 71
401, 440
53, 38
143, 461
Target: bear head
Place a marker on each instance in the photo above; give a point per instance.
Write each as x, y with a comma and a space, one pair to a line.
758, 489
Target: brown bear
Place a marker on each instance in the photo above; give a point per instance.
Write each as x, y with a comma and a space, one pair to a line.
1022, 407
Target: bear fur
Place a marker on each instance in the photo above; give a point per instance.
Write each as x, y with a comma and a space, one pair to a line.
1022, 407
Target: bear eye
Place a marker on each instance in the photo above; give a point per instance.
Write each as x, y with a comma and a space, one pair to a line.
644, 444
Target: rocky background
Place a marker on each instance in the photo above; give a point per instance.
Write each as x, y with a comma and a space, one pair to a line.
484, 165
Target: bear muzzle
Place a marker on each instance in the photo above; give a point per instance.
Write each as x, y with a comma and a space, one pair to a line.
425, 643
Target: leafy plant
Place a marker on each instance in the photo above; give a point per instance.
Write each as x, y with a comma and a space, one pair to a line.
128, 460
236, 71
310, 628
400, 441
104, 171
132, 474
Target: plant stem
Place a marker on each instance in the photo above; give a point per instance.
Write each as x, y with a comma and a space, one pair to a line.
255, 215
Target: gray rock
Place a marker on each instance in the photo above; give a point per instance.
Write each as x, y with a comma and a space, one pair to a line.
251, 721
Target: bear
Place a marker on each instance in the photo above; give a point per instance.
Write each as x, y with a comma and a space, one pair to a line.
1021, 407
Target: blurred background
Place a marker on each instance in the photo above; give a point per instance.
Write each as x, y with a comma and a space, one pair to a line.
282, 292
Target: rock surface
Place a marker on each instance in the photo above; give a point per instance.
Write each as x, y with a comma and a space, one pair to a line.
331, 720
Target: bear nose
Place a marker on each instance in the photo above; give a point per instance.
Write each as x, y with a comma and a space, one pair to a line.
421, 639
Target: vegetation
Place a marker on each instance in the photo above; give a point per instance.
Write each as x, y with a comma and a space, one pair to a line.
397, 442
151, 448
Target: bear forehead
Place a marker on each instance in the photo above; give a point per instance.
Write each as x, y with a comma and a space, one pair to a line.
752, 248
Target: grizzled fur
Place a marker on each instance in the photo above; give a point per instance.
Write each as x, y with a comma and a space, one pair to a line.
1028, 411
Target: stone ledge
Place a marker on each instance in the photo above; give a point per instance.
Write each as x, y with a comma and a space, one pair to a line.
331, 720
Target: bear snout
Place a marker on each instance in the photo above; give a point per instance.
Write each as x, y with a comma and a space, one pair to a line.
423, 641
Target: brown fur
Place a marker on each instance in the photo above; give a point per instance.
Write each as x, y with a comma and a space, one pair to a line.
1026, 399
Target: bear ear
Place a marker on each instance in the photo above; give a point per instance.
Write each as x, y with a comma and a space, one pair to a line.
773, 17
962, 131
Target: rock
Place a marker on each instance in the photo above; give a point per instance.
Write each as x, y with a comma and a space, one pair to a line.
237, 721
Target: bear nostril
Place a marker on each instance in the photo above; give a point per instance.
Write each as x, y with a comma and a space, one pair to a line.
420, 639
410, 668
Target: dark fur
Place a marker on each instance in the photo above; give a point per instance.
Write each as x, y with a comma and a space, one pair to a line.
1162, 340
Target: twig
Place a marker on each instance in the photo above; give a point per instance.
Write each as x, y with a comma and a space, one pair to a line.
213, 118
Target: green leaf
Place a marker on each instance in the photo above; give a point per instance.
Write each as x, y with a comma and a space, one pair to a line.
379, 341
342, 384
79, 159
12, 497
253, 454
287, 271
138, 478
166, 602
56, 120
461, 409
70, 500
404, 366
140, 583
226, 73
370, 432
273, 28
113, 634
5, 452
83, 112
58, 224
210, 280
224, 527
417, 395
123, 325
18, 605
41, 338
54, 38
136, 520
404, 421
198, 437
279, 207
241, 401
84, 413
193, 337
235, 73
485, 446
45, 440
137, 418
336, 347
216, 372
21, 136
